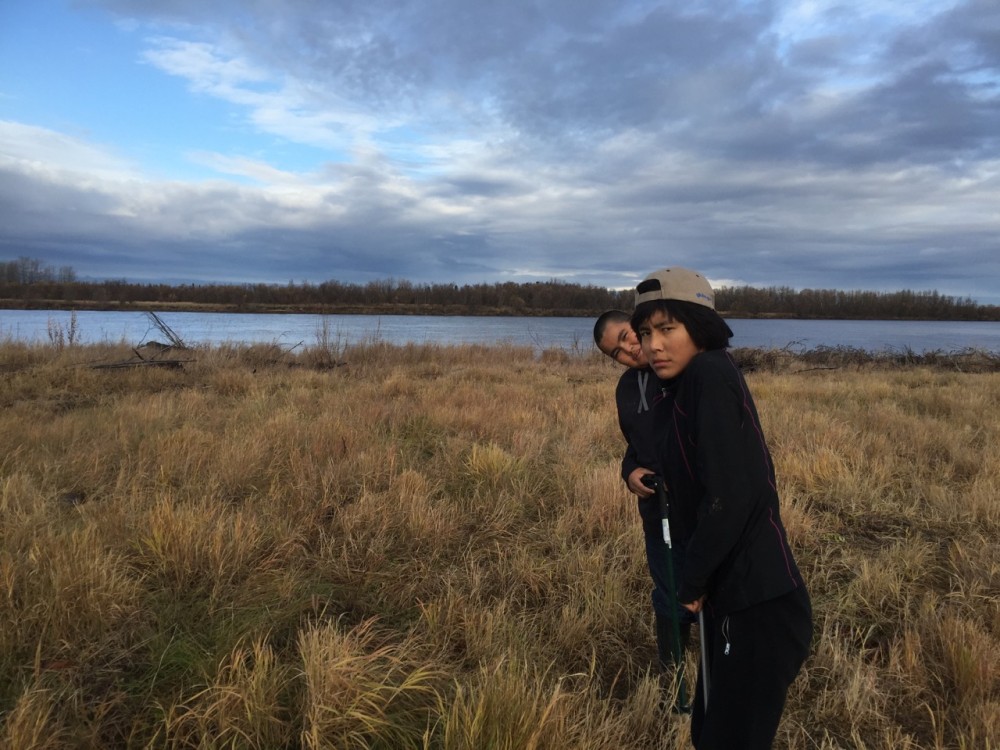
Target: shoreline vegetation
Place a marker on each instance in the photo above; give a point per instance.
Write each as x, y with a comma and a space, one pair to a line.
415, 309
430, 546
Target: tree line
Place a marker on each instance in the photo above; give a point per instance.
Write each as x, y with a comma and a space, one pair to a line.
31, 283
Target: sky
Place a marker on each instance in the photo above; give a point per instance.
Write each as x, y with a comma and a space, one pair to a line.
816, 144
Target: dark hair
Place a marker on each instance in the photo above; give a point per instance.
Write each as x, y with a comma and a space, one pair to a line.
704, 325
609, 316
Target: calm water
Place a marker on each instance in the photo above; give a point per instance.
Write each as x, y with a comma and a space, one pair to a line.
541, 333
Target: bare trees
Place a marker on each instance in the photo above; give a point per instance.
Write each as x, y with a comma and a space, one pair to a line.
32, 281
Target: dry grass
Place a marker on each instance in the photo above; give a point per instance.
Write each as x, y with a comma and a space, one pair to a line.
429, 547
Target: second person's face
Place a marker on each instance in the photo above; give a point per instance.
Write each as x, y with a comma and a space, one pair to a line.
666, 345
622, 345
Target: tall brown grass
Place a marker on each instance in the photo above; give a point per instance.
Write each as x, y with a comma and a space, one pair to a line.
430, 547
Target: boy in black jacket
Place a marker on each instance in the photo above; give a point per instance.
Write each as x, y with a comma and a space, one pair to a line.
637, 395
738, 567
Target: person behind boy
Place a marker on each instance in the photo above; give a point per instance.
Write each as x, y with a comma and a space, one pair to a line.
738, 567
637, 391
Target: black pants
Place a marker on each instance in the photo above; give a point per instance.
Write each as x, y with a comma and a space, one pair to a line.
754, 654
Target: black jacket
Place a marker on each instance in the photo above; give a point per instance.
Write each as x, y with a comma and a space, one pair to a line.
721, 487
637, 393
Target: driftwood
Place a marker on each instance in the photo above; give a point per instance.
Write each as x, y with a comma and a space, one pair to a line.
175, 340
151, 353
172, 363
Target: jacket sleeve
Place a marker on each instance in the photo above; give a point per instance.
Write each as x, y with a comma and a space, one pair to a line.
724, 463
630, 461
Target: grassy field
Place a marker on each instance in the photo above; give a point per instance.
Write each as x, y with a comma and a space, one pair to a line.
430, 547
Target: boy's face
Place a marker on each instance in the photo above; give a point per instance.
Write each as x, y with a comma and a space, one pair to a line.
667, 345
621, 344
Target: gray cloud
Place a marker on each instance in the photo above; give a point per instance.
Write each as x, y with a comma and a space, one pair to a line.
589, 141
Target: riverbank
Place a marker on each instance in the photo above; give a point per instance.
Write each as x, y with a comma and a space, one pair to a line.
906, 341
430, 546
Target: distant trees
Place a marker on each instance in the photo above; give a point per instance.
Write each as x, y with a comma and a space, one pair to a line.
33, 283
33, 271
861, 305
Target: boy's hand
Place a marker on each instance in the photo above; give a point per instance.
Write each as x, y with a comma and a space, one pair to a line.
635, 485
695, 606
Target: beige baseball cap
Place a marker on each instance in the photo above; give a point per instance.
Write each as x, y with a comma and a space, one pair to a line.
675, 284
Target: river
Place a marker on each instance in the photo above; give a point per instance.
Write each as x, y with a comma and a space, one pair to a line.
194, 328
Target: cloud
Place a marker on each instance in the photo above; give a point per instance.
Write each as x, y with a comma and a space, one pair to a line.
815, 144
47, 152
